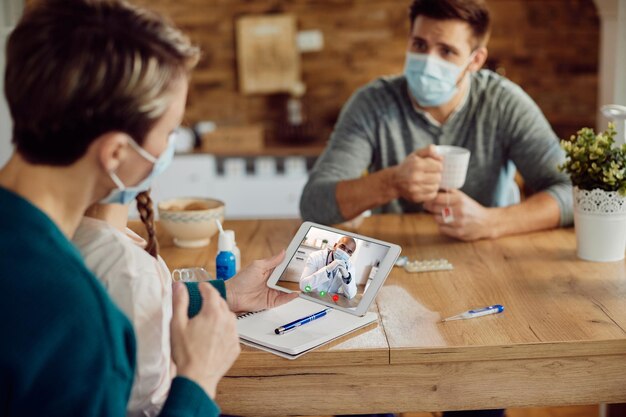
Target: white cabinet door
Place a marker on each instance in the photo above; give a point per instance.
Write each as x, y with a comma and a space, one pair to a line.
187, 176
250, 197
245, 196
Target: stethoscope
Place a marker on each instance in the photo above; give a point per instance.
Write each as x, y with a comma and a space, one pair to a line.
330, 252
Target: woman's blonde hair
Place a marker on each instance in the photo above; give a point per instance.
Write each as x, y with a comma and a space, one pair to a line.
77, 69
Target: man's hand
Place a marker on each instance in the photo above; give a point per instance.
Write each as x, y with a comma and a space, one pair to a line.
417, 178
334, 265
471, 221
345, 275
205, 347
248, 290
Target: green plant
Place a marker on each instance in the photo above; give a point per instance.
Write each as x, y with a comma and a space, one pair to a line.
592, 160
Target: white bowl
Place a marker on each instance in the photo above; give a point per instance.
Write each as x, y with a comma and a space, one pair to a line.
191, 221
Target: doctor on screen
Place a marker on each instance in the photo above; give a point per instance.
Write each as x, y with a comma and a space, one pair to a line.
330, 270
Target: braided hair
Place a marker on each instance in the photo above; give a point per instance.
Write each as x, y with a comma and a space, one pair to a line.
146, 213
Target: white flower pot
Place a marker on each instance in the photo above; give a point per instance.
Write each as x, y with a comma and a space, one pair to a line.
600, 222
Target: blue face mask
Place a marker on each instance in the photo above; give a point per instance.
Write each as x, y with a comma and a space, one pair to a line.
432, 81
341, 255
123, 194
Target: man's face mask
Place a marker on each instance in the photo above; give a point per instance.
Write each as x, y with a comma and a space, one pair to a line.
432, 81
123, 194
341, 255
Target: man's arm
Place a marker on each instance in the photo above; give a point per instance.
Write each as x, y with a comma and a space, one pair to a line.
535, 150
538, 212
314, 276
347, 156
349, 288
356, 196
472, 221
311, 268
416, 179
314, 280
336, 190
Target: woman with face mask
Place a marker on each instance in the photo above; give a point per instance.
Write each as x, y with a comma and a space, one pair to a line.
137, 278
94, 89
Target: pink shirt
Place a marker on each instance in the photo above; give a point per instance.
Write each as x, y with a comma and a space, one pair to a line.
141, 287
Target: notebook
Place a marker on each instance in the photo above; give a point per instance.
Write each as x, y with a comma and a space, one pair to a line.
257, 329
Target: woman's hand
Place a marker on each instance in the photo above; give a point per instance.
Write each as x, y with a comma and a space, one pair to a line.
248, 290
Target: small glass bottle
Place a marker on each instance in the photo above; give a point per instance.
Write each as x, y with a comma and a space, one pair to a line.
193, 274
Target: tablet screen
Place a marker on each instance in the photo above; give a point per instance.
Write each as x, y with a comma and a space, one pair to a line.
334, 268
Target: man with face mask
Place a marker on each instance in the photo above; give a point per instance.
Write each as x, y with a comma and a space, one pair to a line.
330, 270
389, 129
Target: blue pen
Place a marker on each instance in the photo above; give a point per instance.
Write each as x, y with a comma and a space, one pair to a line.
300, 322
470, 314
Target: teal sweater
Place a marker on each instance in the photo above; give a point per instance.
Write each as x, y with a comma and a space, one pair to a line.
65, 348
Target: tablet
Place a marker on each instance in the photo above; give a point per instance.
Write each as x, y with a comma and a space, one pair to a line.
335, 268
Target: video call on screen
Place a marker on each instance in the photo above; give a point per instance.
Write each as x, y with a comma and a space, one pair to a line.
333, 267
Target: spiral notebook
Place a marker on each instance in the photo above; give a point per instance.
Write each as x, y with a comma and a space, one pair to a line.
257, 329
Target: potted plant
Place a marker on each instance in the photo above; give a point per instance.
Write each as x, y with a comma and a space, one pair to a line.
597, 168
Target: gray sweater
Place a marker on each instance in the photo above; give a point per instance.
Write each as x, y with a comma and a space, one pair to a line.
498, 122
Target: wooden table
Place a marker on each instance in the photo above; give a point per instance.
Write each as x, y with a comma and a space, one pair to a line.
561, 339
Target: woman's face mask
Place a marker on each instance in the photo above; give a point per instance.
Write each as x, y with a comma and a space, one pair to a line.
123, 194
432, 81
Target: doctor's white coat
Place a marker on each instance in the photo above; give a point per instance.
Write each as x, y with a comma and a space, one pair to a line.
315, 275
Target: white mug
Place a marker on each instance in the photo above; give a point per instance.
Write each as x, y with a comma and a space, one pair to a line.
455, 163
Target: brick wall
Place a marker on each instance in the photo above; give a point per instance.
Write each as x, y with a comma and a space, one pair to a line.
549, 47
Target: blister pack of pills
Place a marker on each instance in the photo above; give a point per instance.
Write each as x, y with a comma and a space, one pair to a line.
424, 265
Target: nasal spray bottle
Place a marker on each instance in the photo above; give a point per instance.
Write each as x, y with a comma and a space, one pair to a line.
225, 262
236, 251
